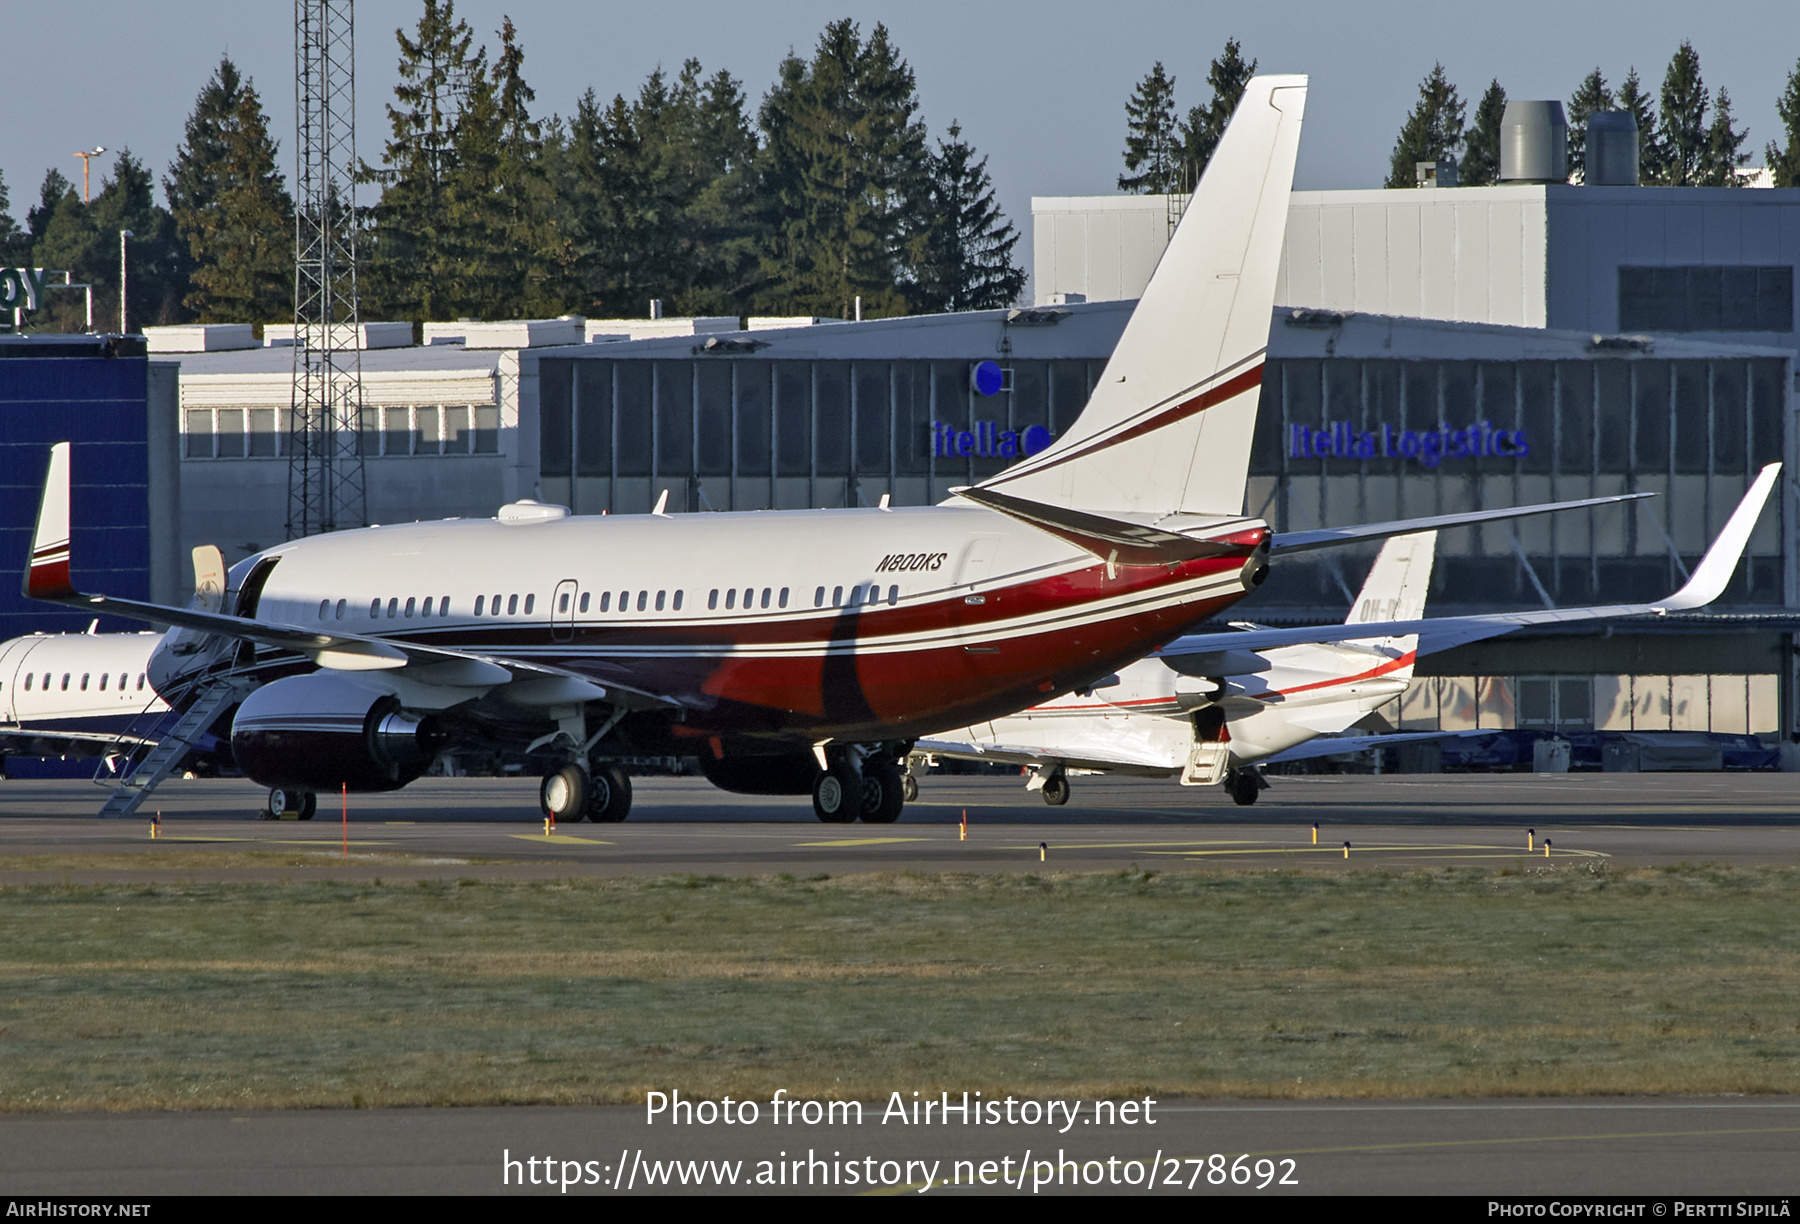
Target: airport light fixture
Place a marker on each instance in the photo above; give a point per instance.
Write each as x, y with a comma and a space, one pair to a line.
86, 158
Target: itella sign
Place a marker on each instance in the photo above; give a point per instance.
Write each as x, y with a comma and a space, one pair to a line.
1429, 447
21, 288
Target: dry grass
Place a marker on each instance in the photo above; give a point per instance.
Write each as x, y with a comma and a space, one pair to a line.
1380, 983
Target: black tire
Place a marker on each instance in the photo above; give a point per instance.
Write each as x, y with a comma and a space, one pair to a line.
837, 795
883, 793
309, 805
1242, 785
1056, 789
909, 788
610, 801
563, 795
283, 800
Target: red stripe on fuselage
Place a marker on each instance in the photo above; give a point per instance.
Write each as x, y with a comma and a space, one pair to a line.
1392, 665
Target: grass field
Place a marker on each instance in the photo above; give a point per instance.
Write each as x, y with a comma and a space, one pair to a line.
1274, 983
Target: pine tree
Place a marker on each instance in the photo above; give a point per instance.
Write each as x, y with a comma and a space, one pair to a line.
231, 207
845, 174
407, 273
1592, 95
12, 239
1724, 142
51, 194
1681, 132
1433, 130
1481, 162
965, 256
84, 238
530, 245
1635, 100
1784, 164
1206, 124
1152, 142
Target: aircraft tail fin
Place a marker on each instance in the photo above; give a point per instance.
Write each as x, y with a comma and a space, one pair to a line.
47, 573
1397, 582
1168, 429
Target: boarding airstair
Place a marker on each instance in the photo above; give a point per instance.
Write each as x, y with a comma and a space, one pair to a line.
141, 769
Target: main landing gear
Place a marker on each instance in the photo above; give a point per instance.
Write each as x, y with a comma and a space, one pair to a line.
289, 804
602, 795
1243, 784
860, 781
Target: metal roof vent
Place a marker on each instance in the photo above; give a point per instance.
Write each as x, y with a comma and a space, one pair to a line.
1534, 143
1612, 150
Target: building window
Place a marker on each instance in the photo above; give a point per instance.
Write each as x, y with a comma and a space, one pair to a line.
1706, 299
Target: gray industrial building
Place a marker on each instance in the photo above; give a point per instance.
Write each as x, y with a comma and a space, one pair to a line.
1434, 350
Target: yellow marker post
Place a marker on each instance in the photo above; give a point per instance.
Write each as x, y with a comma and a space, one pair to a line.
546, 826
1546, 847
1315, 832
965, 826
1043, 849
1346, 849
1529, 834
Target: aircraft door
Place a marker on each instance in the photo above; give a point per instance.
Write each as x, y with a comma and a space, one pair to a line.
562, 610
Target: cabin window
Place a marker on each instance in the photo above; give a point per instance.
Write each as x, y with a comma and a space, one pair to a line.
343, 605
643, 600
84, 681
529, 600
893, 596
494, 608
819, 598
749, 597
678, 601
324, 607
140, 683
65, 683
103, 679
28, 682
394, 608
584, 601
606, 601
784, 596
837, 597
425, 606
444, 606
512, 605
659, 600
712, 599
562, 602
121, 682
480, 601
47, 681
410, 603
767, 592
374, 608
731, 599
624, 601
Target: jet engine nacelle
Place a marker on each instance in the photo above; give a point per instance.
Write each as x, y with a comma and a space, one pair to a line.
788, 773
322, 731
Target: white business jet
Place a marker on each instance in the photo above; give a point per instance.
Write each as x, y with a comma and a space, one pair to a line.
1208, 707
75, 694
794, 652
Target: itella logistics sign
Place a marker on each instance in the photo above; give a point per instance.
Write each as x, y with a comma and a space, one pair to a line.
1430, 447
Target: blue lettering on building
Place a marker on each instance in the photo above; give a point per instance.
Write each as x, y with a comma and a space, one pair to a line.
1430, 447
987, 441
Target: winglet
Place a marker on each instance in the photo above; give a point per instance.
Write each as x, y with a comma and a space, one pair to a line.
47, 575
1721, 560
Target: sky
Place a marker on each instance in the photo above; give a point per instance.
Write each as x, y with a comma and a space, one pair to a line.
1039, 88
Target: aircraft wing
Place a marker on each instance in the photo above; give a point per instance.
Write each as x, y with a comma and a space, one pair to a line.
1331, 537
1441, 633
1332, 745
47, 578
1005, 754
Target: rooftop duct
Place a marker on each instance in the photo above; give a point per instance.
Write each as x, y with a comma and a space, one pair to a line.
1534, 143
1612, 150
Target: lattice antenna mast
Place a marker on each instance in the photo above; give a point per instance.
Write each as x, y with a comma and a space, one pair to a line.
325, 465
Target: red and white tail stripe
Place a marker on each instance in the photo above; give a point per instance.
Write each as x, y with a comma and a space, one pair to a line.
48, 575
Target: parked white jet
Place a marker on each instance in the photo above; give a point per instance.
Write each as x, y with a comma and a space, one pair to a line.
799, 651
1207, 707
74, 694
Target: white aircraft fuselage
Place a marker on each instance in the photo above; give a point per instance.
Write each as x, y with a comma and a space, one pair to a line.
59, 690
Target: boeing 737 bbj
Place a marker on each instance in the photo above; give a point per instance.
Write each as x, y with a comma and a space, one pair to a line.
797, 651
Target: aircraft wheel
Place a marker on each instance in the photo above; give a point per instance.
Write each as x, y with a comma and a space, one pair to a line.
909, 788
1243, 787
301, 803
837, 795
309, 805
564, 794
610, 801
1056, 789
883, 793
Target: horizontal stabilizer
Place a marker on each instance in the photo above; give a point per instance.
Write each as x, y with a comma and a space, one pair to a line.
1334, 745
1441, 633
1110, 538
1331, 537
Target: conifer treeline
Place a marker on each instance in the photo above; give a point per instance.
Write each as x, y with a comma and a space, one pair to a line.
828, 191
